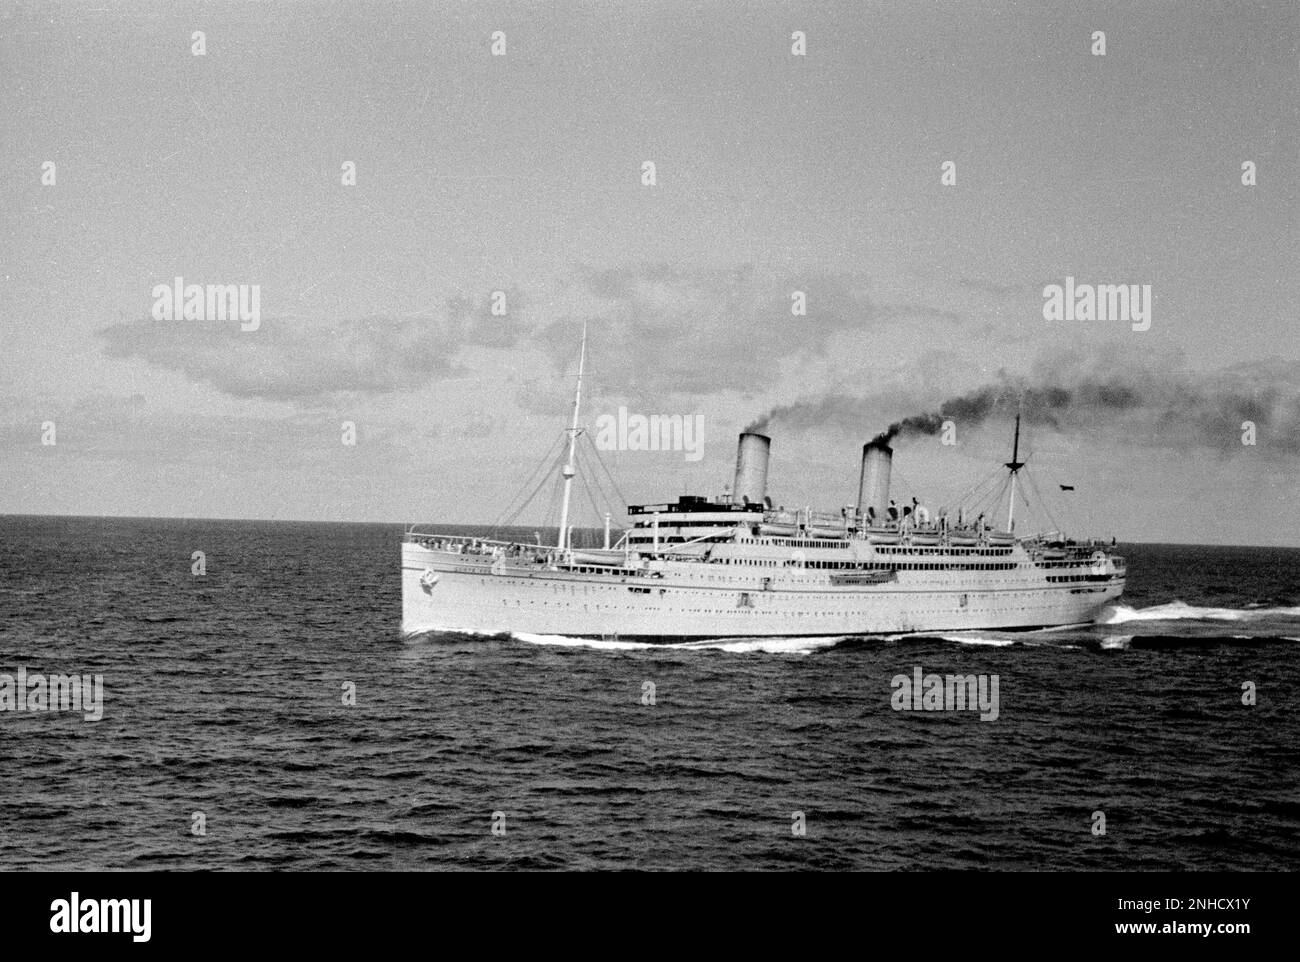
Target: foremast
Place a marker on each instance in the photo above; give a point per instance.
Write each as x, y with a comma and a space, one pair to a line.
569, 470
1014, 466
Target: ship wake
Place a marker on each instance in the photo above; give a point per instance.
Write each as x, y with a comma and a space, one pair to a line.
1181, 611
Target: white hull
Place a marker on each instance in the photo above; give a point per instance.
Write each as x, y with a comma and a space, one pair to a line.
690, 599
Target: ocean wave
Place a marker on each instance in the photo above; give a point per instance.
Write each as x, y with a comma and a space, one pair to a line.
420, 632
1181, 611
1037, 638
1157, 641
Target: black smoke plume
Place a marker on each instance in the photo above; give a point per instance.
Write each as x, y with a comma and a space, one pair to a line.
1144, 404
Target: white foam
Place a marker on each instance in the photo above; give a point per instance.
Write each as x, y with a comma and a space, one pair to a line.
977, 640
1116, 641
413, 634
771, 646
564, 641
1181, 611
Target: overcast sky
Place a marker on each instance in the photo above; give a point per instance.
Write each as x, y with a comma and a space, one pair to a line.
523, 174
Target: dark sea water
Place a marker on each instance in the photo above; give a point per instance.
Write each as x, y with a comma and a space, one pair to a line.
224, 696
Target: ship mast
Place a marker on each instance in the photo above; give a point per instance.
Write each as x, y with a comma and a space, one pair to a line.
1014, 466
573, 441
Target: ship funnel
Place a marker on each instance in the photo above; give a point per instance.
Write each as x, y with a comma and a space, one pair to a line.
873, 486
751, 468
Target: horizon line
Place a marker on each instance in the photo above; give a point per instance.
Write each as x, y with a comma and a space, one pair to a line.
487, 524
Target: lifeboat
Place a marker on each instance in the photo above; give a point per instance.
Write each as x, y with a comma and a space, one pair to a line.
598, 556
820, 531
861, 577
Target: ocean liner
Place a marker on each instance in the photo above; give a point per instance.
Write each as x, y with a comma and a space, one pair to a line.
733, 565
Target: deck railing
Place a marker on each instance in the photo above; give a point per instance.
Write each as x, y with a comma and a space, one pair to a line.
464, 544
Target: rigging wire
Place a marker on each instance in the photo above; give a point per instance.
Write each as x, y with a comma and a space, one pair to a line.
973, 494
592, 499
604, 467
507, 521
1043, 501
590, 480
544, 463
987, 504
552, 519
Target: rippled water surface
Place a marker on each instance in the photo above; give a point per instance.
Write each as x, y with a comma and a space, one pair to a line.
224, 696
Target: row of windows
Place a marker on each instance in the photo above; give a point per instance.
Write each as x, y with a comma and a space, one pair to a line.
916, 566
1071, 563
722, 526
838, 545
819, 566
886, 549
663, 539
784, 613
679, 591
794, 543
953, 566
